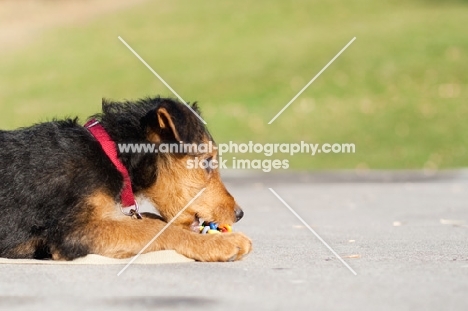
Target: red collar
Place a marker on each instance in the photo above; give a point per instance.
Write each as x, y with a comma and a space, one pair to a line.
110, 149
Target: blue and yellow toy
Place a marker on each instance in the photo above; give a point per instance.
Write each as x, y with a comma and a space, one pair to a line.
213, 228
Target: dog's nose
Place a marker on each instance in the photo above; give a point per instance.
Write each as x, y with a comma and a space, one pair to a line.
239, 213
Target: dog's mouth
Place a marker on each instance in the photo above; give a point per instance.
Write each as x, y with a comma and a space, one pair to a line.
200, 223
197, 222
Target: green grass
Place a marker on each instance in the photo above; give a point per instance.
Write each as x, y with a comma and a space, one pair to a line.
399, 92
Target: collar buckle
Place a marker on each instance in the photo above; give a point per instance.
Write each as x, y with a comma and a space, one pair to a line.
132, 211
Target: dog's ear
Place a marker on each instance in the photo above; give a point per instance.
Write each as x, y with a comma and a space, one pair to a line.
160, 126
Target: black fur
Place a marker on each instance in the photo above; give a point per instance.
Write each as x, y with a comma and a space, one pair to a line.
48, 170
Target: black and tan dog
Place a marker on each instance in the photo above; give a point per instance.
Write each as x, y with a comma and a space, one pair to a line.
61, 193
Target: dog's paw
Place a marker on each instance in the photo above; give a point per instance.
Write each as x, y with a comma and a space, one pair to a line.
223, 247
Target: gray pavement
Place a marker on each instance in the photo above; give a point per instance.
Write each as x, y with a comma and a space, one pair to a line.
405, 234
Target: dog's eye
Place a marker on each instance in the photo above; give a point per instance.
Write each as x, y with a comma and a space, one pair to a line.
209, 166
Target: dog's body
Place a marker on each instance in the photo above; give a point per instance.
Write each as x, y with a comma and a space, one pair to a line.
60, 192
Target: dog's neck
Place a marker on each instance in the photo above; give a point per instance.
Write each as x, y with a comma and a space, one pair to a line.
127, 197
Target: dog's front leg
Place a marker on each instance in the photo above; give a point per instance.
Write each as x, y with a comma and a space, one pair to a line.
126, 237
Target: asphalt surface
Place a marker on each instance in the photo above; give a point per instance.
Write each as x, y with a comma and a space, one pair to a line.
404, 234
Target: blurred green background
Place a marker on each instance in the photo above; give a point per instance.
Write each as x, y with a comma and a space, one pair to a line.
399, 92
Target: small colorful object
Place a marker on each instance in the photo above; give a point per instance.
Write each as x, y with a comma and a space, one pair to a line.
213, 228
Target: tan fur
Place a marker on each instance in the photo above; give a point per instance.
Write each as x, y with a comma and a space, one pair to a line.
176, 185
24, 249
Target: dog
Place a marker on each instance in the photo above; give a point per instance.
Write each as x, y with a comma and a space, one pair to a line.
64, 187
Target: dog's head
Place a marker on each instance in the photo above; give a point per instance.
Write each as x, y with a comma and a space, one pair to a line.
181, 175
